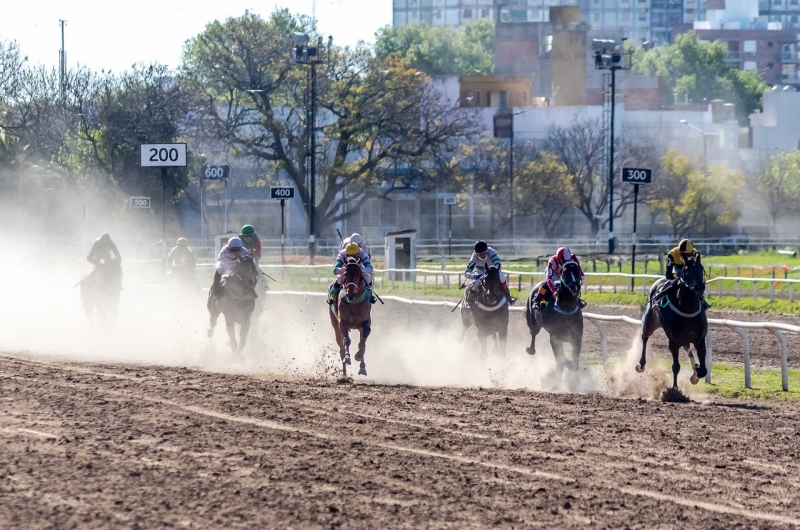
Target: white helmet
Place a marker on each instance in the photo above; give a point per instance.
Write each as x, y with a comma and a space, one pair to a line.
234, 243
356, 238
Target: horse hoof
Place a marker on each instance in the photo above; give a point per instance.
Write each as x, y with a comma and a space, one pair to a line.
347, 359
530, 351
362, 370
640, 368
694, 379
359, 356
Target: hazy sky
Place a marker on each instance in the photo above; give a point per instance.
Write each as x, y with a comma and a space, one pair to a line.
114, 34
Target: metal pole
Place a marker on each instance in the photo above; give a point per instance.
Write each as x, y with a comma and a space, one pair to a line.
705, 177
202, 213
611, 168
163, 221
283, 238
449, 229
511, 176
635, 211
225, 221
312, 205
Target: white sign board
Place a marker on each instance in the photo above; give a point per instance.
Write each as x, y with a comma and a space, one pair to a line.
140, 202
162, 155
449, 200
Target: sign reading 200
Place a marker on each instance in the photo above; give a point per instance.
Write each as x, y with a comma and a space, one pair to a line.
162, 155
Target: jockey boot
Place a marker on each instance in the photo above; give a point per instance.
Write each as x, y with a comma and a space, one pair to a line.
215, 285
333, 294
511, 299
539, 300
704, 304
469, 299
372, 298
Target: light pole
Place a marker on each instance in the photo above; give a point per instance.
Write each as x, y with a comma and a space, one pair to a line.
611, 55
705, 169
309, 55
504, 128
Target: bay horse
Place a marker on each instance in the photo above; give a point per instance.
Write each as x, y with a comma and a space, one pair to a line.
679, 312
562, 318
100, 289
236, 300
352, 312
489, 311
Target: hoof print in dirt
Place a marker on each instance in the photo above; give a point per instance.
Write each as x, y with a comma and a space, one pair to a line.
673, 395
344, 380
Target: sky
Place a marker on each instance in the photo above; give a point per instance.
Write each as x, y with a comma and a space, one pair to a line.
114, 34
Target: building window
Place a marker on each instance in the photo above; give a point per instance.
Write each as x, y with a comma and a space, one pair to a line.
777, 2
472, 98
769, 45
597, 18
750, 46
484, 13
467, 12
503, 99
749, 65
523, 98
793, 2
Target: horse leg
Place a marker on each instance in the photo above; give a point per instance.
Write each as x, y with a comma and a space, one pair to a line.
366, 329
700, 347
243, 331
213, 315
345, 329
231, 329
482, 341
577, 344
675, 349
649, 326
558, 353
533, 325
503, 335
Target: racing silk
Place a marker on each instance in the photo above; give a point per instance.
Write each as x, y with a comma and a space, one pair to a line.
228, 258
103, 253
675, 262
362, 258
481, 264
180, 255
555, 267
254, 247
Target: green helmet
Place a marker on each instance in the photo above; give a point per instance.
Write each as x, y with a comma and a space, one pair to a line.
248, 230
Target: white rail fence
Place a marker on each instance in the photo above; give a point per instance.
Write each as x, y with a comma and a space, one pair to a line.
776, 328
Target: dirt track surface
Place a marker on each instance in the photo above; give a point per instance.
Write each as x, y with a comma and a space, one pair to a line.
98, 446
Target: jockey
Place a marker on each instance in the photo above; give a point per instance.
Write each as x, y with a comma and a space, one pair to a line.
251, 241
351, 250
181, 257
228, 257
483, 257
356, 238
103, 252
555, 266
676, 259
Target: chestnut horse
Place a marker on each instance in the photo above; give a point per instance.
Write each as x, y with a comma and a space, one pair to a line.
351, 312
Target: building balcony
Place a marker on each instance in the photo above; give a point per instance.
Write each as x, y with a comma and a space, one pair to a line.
734, 57
788, 57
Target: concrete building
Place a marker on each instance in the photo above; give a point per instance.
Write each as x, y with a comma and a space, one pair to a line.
777, 126
753, 42
641, 20
458, 12
784, 12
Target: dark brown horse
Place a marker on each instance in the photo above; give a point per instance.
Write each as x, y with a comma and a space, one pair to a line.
100, 290
680, 314
236, 300
351, 312
489, 312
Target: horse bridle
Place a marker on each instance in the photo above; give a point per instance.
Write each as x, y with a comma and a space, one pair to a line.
354, 284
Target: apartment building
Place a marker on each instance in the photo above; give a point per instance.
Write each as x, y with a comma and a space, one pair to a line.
785, 12
457, 12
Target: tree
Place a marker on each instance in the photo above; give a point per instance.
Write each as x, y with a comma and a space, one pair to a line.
698, 70
375, 111
441, 50
778, 184
688, 199
543, 187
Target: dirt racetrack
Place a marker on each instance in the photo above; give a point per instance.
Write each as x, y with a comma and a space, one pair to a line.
101, 446
152, 425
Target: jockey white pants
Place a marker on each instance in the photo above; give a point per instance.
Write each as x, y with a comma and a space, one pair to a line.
474, 286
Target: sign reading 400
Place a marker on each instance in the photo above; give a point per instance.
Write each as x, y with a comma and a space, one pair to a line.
636, 175
162, 155
281, 192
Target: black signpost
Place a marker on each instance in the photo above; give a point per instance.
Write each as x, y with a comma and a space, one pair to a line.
282, 193
449, 201
636, 176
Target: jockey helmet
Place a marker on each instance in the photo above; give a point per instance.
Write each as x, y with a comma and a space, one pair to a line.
352, 249
105, 239
356, 238
481, 246
182, 242
563, 254
686, 247
234, 243
248, 230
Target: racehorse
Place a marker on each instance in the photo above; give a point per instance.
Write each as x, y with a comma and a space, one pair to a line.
236, 300
489, 311
562, 318
101, 289
680, 314
352, 311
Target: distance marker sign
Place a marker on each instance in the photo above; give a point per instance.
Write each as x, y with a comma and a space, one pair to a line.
636, 175
162, 155
281, 192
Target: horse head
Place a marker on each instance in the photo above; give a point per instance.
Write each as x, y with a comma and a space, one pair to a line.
491, 286
246, 272
353, 277
694, 276
570, 279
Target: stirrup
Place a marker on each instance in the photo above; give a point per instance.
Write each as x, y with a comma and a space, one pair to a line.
582, 303
704, 304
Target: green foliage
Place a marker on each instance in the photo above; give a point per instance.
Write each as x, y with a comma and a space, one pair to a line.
539, 189
778, 184
698, 69
441, 50
688, 199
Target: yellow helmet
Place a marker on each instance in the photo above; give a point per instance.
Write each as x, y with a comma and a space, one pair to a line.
685, 246
352, 249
